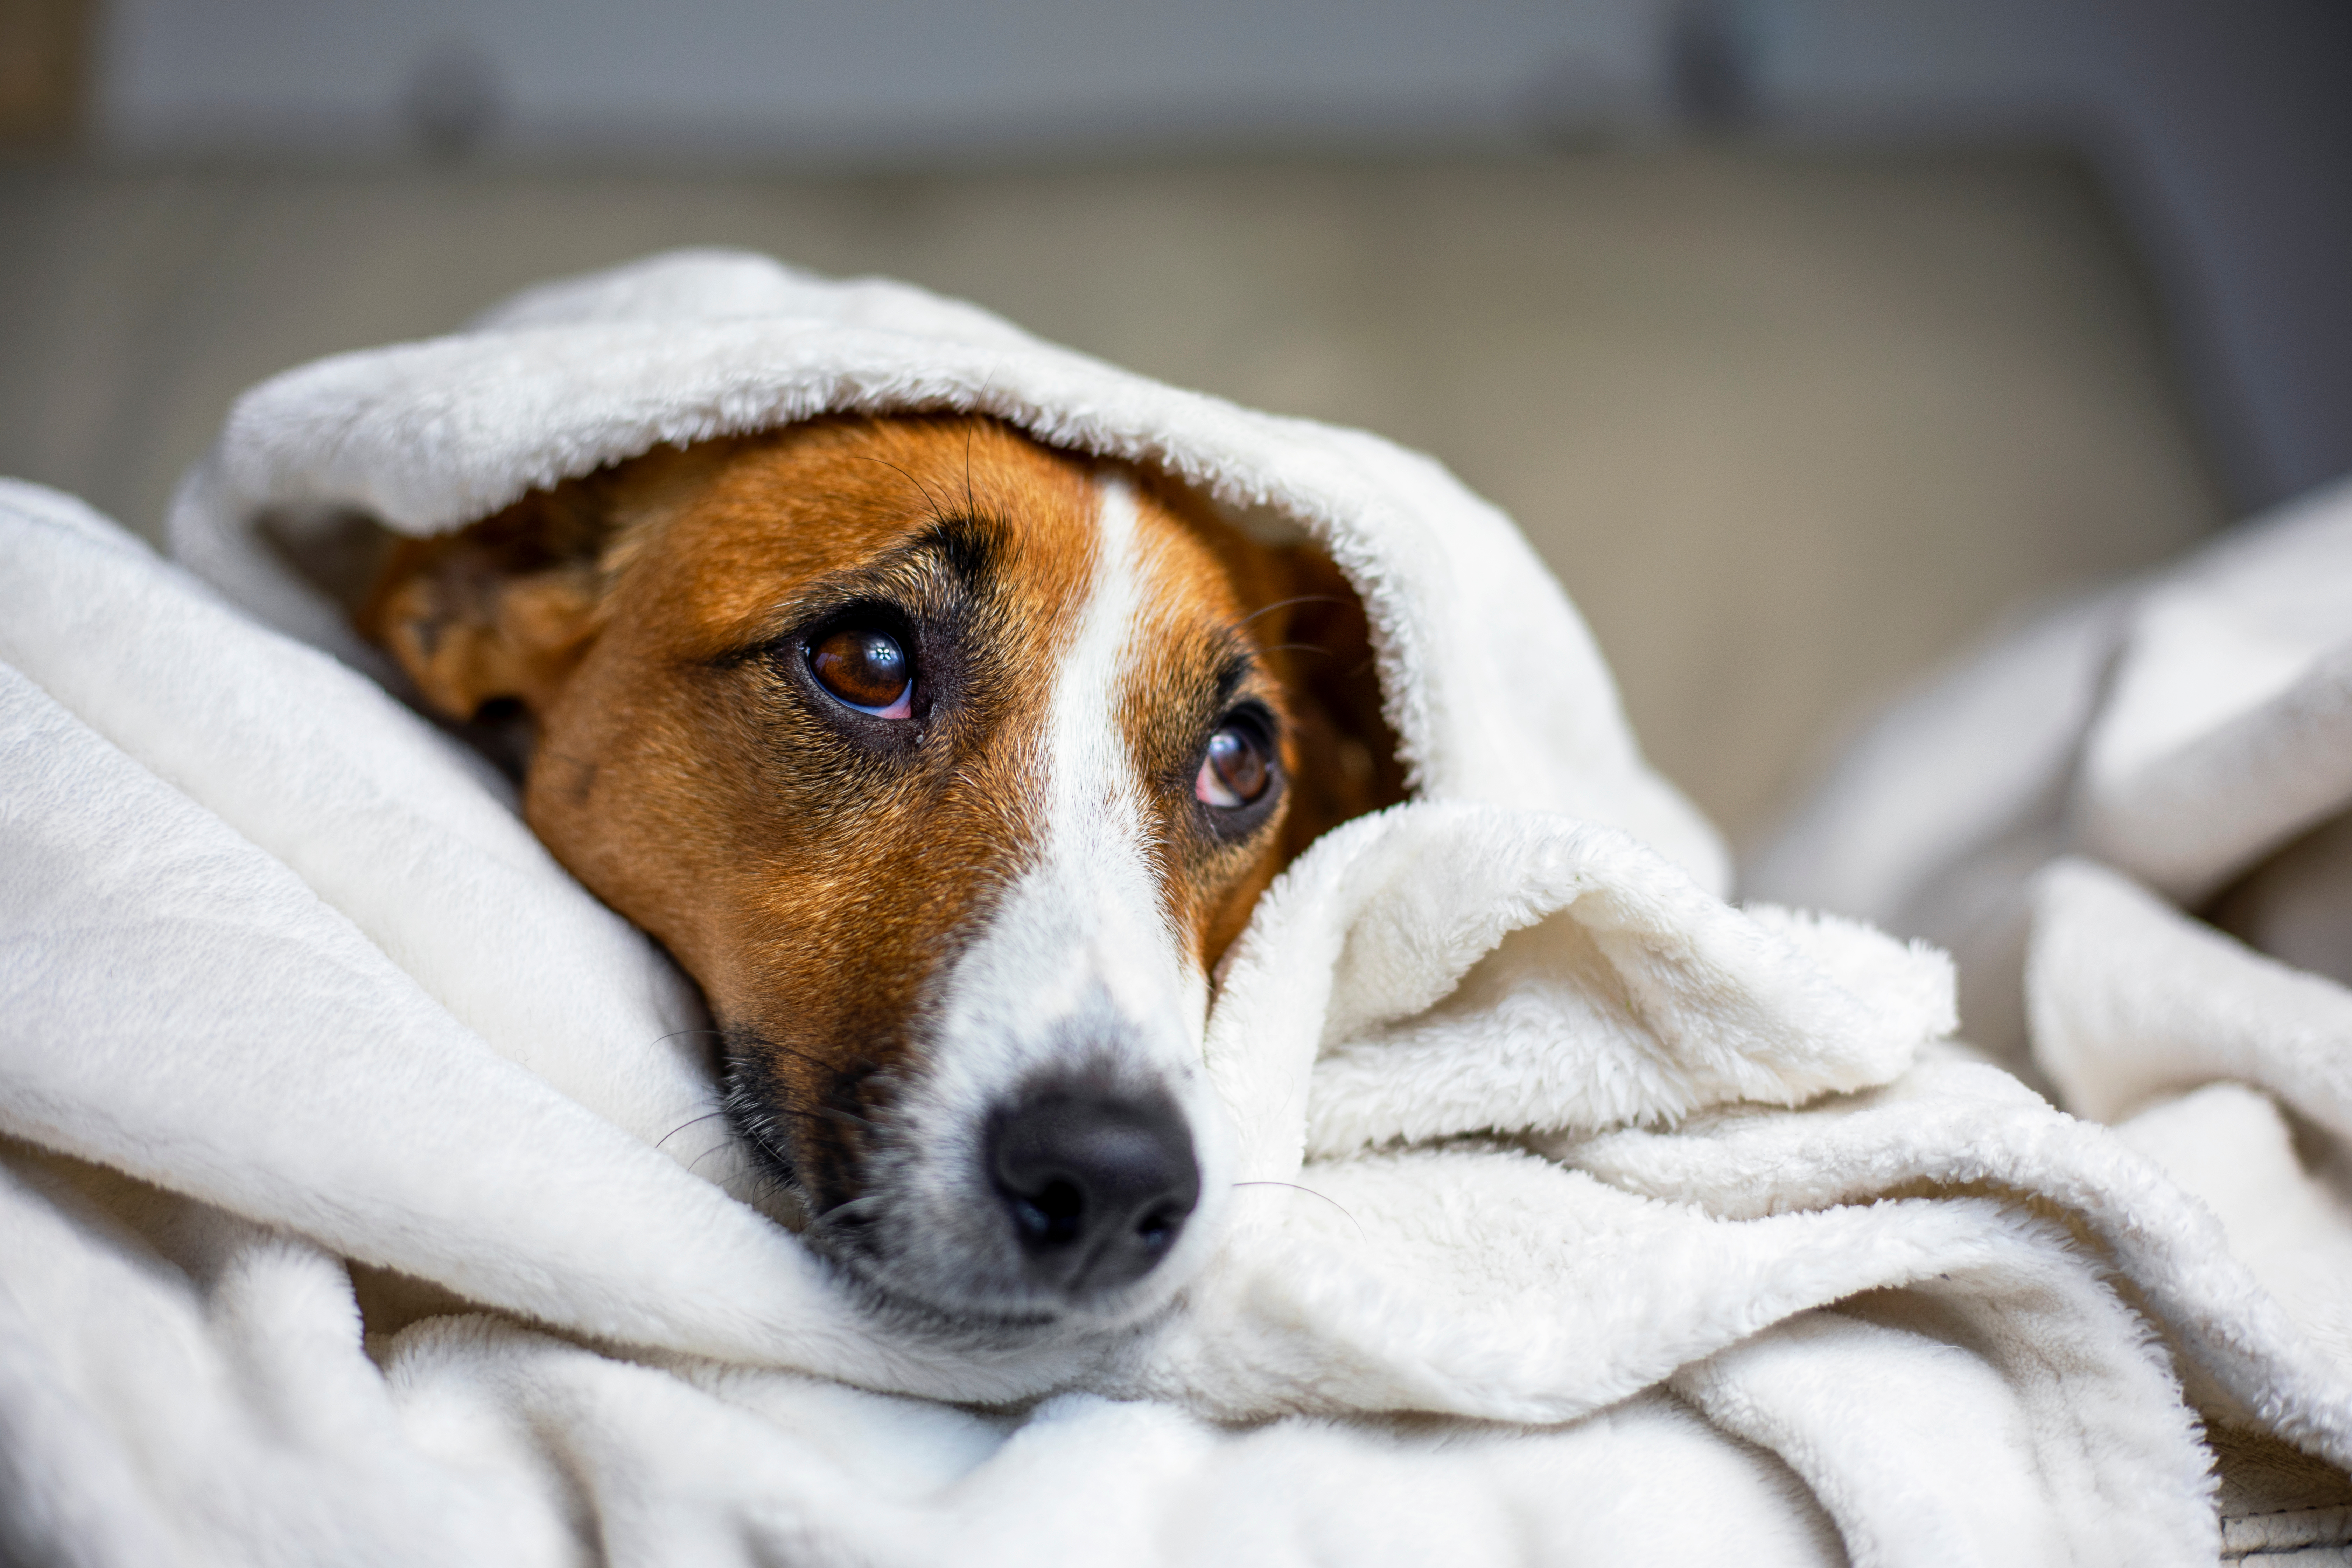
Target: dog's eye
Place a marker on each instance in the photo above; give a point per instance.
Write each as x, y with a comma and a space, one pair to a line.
1235, 771
865, 670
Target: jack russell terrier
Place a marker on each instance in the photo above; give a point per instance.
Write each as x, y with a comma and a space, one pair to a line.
949, 765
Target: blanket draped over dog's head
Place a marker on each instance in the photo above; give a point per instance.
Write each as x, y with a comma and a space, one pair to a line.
1524, 1118
1494, 686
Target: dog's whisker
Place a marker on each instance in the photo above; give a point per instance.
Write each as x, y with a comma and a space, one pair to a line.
851, 1210
693, 1122
1310, 1192
752, 1124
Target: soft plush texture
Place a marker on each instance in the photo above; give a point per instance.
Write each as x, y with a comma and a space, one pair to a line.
356, 1205
2128, 819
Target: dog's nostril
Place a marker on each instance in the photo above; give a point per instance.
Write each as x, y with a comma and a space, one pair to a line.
1159, 1227
1098, 1186
1051, 1218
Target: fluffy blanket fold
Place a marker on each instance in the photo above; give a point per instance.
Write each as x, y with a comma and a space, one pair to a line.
357, 1205
2061, 809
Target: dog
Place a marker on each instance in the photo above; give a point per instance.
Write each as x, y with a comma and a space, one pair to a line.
949, 765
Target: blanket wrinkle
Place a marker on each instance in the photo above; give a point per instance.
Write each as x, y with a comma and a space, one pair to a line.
1959, 1123
1479, 1349
2198, 770
1859, 1410
2129, 999
378, 810
1446, 999
1574, 1194
2234, 1147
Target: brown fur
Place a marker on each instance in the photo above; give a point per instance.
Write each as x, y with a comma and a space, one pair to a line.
812, 869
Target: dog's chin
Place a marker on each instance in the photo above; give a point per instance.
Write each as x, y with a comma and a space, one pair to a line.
914, 1280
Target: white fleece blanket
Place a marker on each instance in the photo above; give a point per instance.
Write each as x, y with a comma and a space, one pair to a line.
357, 1205
2074, 807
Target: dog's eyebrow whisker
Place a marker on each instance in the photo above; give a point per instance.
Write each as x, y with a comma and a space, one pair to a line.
1310, 1192
1299, 648
971, 505
753, 1122
937, 514
754, 1115
787, 1174
774, 1110
1286, 604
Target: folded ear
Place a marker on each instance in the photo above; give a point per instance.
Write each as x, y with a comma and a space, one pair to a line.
502, 611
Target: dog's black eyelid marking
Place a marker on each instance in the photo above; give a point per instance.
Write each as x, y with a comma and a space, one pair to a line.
953, 558
965, 546
1238, 669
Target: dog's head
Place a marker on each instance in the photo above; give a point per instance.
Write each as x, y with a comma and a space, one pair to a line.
949, 765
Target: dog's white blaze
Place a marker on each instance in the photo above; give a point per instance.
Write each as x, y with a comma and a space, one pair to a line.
1078, 967
1082, 935
1096, 852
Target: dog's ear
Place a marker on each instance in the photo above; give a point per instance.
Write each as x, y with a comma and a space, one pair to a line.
1348, 753
500, 612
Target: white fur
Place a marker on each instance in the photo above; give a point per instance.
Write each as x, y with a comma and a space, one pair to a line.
1078, 968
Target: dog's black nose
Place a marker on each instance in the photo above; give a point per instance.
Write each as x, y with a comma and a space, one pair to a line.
1099, 1185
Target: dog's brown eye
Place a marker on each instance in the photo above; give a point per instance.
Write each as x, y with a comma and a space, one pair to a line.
1234, 772
867, 671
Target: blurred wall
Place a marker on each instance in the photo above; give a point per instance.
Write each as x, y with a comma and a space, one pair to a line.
1801, 335
908, 80
2226, 130
1789, 426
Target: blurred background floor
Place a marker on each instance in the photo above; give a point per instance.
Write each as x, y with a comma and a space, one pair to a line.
1791, 426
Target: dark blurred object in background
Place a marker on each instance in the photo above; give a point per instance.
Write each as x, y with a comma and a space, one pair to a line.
44, 50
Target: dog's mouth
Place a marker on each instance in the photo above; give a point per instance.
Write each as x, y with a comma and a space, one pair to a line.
1062, 1198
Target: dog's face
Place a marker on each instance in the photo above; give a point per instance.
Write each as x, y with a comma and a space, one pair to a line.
949, 765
